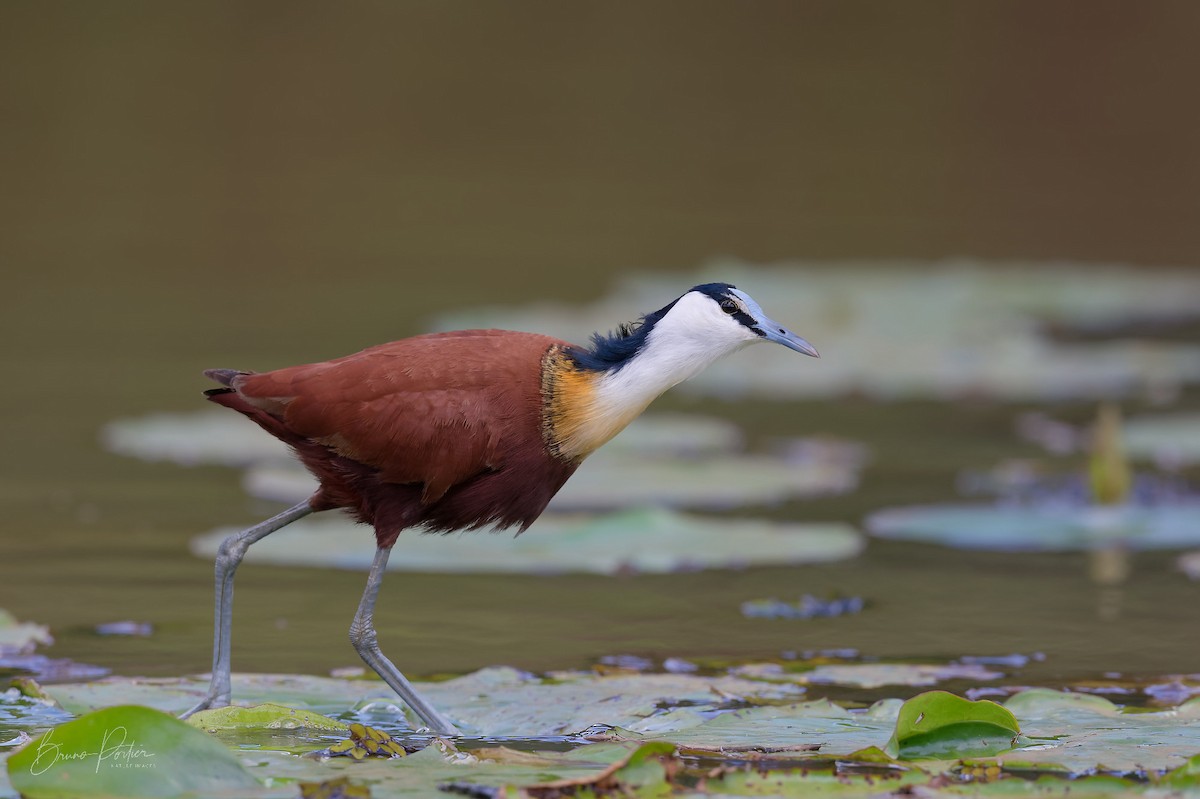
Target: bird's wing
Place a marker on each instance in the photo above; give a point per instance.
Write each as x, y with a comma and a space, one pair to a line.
435, 410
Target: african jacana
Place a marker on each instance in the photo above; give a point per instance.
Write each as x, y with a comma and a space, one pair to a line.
453, 431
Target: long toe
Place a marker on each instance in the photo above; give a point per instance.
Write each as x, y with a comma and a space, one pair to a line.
207, 703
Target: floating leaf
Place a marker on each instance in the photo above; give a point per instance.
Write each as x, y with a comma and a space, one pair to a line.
647, 540
21, 637
190, 439
678, 434
48, 670
869, 675
648, 771
877, 675
937, 724
1043, 702
267, 716
1034, 528
796, 727
1170, 439
126, 751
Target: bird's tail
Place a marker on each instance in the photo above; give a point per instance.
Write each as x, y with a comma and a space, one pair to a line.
223, 376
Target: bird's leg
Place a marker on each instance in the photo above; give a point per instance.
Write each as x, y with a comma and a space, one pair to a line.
229, 555
362, 635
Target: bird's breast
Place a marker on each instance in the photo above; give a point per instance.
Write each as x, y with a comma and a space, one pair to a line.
579, 413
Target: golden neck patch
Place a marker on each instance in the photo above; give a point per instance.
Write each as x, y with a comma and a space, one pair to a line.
577, 416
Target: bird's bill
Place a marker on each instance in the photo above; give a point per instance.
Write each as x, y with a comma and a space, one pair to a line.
773, 331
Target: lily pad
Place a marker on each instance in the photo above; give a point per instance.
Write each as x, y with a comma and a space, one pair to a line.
938, 724
1169, 439
1081, 732
191, 439
127, 751
797, 727
648, 771
647, 540
267, 716
908, 329
687, 435
18, 637
873, 675
1037, 528
47, 670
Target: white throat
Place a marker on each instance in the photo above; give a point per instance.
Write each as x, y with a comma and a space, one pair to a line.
690, 337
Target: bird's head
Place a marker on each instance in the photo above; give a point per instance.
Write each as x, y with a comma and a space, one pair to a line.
727, 313
705, 323
601, 389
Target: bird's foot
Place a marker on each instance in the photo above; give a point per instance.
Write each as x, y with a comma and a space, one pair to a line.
209, 702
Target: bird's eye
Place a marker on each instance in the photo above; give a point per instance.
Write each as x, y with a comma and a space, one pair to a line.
729, 306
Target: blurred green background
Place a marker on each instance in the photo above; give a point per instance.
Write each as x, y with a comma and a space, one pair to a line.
228, 184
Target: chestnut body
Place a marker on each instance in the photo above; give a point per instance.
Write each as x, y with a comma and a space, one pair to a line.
443, 431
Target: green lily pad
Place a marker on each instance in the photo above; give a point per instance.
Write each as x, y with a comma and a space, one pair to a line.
1034, 528
267, 716
894, 329
646, 540
687, 435
126, 751
938, 724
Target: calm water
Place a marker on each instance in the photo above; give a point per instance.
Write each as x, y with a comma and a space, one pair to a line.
253, 186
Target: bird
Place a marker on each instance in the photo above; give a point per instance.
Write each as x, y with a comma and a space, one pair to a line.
461, 430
